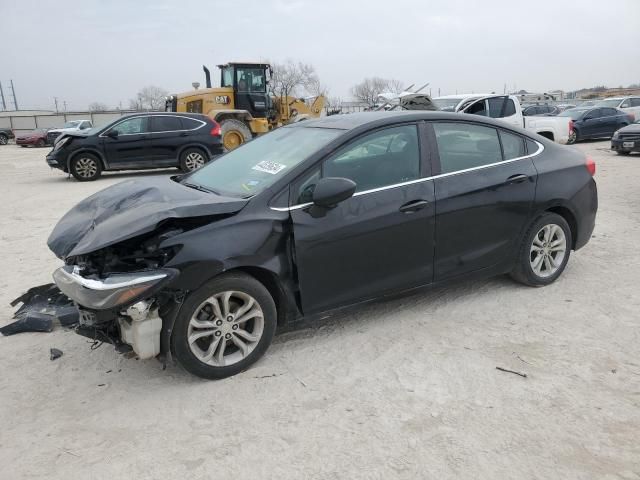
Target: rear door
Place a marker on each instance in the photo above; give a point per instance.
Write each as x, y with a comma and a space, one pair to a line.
131, 148
610, 121
484, 188
377, 241
592, 124
167, 136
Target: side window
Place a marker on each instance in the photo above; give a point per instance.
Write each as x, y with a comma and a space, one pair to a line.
510, 109
478, 108
190, 123
463, 145
532, 147
305, 187
85, 125
381, 158
165, 124
635, 102
131, 126
512, 145
609, 112
496, 105
595, 113
626, 103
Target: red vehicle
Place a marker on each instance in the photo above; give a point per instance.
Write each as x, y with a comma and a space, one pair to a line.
35, 138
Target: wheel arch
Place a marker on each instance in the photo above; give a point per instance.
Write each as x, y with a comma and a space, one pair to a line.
547, 134
570, 218
198, 146
105, 165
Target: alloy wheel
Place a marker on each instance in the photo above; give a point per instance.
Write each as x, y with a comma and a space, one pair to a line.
86, 167
194, 160
4, 140
225, 328
548, 250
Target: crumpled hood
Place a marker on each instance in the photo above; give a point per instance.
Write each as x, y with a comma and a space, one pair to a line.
129, 209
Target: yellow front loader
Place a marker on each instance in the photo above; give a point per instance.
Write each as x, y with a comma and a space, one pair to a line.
242, 104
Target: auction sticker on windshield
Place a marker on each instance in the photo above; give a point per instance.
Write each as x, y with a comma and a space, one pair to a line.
269, 167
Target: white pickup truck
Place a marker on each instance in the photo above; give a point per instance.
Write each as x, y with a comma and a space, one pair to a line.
506, 108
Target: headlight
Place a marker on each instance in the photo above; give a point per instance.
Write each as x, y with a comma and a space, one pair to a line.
110, 292
60, 143
616, 134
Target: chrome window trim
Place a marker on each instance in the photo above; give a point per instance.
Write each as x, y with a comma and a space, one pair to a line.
425, 179
202, 124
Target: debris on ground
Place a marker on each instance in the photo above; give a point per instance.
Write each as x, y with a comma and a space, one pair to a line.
511, 371
55, 353
41, 307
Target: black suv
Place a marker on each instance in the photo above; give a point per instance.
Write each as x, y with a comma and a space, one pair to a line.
138, 141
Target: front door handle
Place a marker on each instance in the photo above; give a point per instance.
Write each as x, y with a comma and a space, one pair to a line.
413, 206
519, 178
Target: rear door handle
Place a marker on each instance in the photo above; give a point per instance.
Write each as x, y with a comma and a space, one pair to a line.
519, 178
413, 206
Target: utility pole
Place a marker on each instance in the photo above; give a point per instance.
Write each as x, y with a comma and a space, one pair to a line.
55, 99
13, 91
4, 105
65, 105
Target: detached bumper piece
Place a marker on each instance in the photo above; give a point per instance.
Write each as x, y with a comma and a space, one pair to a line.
41, 308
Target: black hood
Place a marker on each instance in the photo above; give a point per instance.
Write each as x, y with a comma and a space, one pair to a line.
633, 128
129, 209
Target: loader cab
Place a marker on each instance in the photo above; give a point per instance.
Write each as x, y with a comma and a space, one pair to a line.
249, 83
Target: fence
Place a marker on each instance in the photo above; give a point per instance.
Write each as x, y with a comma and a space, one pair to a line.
20, 123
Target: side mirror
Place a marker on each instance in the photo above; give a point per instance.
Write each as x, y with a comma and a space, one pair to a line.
112, 134
332, 190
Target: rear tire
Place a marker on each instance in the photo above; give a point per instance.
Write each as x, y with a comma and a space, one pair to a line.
215, 338
573, 137
3, 139
234, 133
85, 167
544, 251
192, 159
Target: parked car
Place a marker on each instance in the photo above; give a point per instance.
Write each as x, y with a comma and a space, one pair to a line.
6, 134
565, 106
595, 122
626, 104
35, 138
138, 141
532, 110
506, 108
313, 217
69, 127
626, 139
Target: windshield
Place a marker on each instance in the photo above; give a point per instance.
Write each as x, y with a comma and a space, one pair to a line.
257, 165
608, 103
447, 104
573, 113
71, 124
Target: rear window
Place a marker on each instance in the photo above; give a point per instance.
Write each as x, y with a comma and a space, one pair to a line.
165, 124
512, 145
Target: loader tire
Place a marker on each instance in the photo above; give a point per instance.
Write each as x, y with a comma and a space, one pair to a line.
234, 133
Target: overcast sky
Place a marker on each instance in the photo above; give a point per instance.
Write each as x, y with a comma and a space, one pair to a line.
89, 50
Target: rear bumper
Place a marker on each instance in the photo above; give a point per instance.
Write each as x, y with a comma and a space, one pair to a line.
586, 202
622, 145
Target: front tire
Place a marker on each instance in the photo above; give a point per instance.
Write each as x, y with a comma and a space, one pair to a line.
224, 326
234, 133
3, 139
544, 251
85, 167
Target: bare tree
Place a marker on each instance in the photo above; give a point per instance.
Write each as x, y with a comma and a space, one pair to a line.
97, 107
149, 98
294, 79
368, 90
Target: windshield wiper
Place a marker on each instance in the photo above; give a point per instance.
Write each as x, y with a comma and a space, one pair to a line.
201, 188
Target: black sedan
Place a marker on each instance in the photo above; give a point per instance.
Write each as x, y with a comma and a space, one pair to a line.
627, 139
313, 217
595, 122
138, 141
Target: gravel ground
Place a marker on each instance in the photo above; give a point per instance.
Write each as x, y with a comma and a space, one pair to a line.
402, 389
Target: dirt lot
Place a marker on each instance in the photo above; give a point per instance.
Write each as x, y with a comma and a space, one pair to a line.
404, 389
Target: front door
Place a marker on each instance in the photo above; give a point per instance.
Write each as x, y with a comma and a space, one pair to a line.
131, 148
483, 196
591, 124
377, 241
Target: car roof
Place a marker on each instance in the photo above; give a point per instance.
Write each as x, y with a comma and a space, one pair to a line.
463, 96
351, 121
173, 114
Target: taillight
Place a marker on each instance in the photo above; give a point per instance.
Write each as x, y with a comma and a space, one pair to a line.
216, 131
591, 166
570, 126
632, 117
